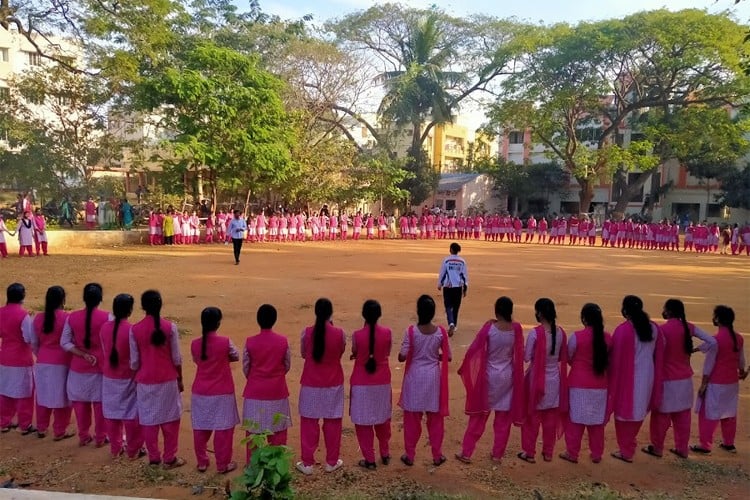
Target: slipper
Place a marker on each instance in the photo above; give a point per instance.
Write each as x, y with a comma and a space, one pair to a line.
367, 465
5, 430
41, 435
650, 450
407, 461
141, 453
546, 458
678, 453
440, 461
202, 468
728, 447
28, 430
566, 456
385, 460
619, 456
85, 441
461, 458
177, 462
230, 467
67, 435
699, 449
523, 456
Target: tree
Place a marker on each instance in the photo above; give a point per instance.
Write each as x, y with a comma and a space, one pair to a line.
598, 76
735, 185
226, 115
430, 63
57, 129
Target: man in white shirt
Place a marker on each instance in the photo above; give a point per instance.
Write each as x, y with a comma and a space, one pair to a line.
236, 230
453, 281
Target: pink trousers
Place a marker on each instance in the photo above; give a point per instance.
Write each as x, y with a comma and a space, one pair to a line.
9, 407
275, 439
627, 437
83, 420
3, 250
707, 428
574, 436
413, 431
133, 437
62, 419
222, 447
310, 437
171, 432
548, 420
366, 439
659, 425
475, 429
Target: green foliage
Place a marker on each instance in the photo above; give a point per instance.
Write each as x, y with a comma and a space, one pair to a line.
523, 182
422, 178
268, 476
735, 187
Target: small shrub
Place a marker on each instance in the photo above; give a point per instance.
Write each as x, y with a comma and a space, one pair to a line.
268, 476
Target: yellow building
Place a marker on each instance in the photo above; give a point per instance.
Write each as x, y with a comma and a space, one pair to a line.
448, 147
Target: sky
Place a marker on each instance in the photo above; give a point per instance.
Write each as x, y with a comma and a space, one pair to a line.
545, 11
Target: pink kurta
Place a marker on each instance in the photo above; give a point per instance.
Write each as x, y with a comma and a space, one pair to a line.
52, 362
213, 405
265, 363
632, 372
588, 390
322, 391
371, 395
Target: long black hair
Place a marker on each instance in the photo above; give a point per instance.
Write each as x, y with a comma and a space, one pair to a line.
210, 322
591, 315
54, 300
724, 316
323, 313
674, 308
632, 309
545, 309
122, 308
504, 308
425, 309
371, 312
151, 304
92, 297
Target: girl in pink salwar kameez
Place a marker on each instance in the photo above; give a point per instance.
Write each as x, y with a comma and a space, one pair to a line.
588, 356
674, 347
492, 373
546, 383
633, 375
265, 362
427, 353
371, 398
718, 396
213, 407
118, 382
322, 393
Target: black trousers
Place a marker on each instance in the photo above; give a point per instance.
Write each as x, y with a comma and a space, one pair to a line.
452, 302
237, 244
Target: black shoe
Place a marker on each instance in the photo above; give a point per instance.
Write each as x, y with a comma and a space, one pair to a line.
385, 460
29, 430
730, 448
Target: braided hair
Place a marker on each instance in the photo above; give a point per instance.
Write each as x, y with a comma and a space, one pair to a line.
323, 313
122, 308
151, 304
371, 312
210, 322
545, 309
54, 300
591, 315
674, 308
92, 297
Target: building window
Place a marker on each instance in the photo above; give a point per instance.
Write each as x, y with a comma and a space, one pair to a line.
35, 59
516, 137
714, 210
4, 54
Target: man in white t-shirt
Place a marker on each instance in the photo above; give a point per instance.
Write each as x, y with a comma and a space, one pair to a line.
453, 281
236, 230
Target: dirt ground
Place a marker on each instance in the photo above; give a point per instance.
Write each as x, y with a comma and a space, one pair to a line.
293, 276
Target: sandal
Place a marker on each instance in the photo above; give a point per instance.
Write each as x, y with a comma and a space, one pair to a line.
619, 456
367, 465
41, 435
202, 468
546, 458
650, 450
699, 449
385, 460
728, 447
674, 451
67, 435
230, 467
177, 462
407, 461
440, 461
497, 460
461, 458
85, 441
526, 458
28, 430
566, 456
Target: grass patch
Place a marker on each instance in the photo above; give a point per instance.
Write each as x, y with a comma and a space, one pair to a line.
154, 474
706, 472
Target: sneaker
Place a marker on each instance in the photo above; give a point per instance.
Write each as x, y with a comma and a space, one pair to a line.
305, 469
451, 329
339, 463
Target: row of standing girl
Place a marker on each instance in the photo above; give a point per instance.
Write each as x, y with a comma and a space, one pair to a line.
134, 380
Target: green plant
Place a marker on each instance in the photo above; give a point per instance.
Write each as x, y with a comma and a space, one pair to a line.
268, 476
